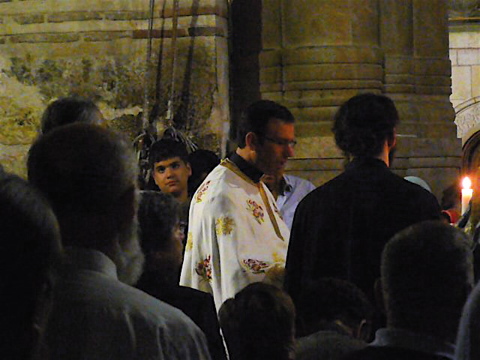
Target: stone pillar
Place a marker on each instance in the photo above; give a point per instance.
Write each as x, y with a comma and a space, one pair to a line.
318, 54
315, 55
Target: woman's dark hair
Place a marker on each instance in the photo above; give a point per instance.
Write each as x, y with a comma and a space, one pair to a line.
202, 163
363, 123
158, 213
259, 323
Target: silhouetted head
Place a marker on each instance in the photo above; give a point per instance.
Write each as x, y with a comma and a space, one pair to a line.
202, 162
331, 302
259, 323
89, 175
363, 124
427, 274
70, 110
161, 237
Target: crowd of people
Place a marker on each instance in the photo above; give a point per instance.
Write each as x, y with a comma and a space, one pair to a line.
230, 258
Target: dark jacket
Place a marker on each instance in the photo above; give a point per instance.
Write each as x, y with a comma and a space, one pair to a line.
197, 305
339, 229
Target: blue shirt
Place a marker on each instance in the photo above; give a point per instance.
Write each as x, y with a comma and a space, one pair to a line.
294, 191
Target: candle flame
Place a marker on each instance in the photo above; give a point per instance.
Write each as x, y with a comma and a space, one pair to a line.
466, 183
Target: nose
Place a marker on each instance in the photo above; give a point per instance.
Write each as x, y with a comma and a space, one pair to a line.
168, 172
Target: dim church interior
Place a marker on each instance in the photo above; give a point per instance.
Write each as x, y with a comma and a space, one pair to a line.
227, 53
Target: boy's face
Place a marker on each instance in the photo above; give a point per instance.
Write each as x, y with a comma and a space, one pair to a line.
171, 176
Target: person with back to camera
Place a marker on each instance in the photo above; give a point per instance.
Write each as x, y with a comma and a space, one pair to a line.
202, 162
335, 318
69, 110
161, 238
259, 324
426, 277
89, 175
30, 251
339, 229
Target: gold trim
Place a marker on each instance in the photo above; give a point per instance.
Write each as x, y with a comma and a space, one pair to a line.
231, 166
271, 215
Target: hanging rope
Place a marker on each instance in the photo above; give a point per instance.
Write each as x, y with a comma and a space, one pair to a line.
146, 138
171, 131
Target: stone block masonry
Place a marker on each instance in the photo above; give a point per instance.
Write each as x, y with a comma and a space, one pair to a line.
97, 49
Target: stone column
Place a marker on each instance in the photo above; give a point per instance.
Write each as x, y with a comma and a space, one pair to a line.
315, 55
318, 54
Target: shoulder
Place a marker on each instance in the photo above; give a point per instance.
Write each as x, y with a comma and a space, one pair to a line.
298, 182
145, 307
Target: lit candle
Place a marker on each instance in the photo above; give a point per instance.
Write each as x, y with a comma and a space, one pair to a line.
467, 193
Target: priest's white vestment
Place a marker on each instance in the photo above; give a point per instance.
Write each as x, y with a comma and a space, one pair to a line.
236, 235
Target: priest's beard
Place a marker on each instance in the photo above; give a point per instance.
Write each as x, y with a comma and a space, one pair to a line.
128, 255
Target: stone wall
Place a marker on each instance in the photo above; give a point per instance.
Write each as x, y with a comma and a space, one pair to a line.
98, 49
465, 58
318, 54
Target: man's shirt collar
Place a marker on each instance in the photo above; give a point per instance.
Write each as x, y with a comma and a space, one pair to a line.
248, 169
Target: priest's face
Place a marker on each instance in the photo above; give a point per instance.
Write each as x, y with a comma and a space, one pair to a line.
275, 146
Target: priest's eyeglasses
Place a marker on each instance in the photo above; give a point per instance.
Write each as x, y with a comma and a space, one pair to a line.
290, 143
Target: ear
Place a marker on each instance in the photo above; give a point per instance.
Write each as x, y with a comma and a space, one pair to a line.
189, 168
251, 140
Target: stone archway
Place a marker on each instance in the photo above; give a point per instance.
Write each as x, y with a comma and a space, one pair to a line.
467, 118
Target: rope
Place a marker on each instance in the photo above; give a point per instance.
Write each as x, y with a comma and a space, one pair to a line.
145, 139
171, 131
170, 106
146, 103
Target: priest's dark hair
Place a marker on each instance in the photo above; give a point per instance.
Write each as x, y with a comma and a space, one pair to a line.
256, 118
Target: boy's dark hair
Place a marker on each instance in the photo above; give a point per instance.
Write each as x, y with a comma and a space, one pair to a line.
69, 110
329, 299
257, 116
165, 149
363, 123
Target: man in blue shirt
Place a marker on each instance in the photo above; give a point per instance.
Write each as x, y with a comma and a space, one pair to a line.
288, 190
